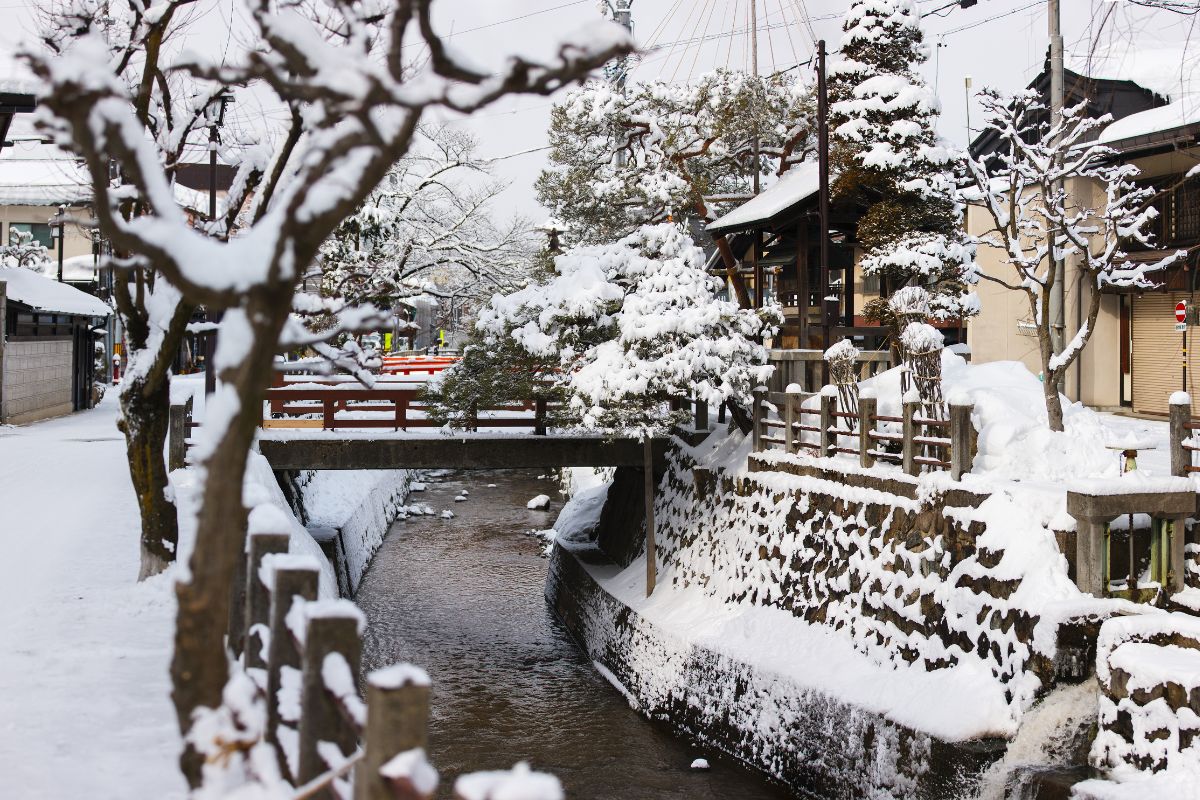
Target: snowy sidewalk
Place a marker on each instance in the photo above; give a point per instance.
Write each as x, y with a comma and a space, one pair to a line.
84, 649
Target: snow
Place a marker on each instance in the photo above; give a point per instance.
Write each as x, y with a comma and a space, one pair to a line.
42, 294
700, 763
539, 503
1154, 120
84, 682
796, 185
413, 767
1180, 399
519, 783
398, 675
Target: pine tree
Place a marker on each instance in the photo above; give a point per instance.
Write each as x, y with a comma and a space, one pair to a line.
888, 158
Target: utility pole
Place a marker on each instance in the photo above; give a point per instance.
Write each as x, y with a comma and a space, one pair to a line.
756, 242
1058, 314
823, 191
622, 14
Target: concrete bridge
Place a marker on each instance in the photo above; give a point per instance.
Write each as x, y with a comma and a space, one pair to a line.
296, 450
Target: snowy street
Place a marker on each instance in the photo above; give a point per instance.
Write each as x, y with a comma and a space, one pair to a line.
85, 708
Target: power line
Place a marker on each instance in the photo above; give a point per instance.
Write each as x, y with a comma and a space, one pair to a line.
976, 24
511, 19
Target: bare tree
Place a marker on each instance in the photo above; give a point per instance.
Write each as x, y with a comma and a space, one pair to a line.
354, 107
1037, 187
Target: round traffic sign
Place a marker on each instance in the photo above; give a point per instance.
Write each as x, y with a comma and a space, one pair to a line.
1181, 311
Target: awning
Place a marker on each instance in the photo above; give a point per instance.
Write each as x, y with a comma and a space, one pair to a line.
794, 187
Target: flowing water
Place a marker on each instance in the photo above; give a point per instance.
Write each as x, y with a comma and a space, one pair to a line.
463, 598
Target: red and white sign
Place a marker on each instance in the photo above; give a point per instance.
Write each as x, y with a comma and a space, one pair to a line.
1181, 311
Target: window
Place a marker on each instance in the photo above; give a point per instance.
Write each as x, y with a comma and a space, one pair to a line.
39, 230
1187, 211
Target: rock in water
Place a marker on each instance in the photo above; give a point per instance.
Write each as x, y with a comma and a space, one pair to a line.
539, 503
700, 763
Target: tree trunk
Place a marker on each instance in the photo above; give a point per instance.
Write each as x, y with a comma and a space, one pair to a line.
145, 414
200, 666
731, 270
1054, 412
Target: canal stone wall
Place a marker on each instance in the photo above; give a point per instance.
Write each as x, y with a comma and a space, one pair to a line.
913, 576
348, 512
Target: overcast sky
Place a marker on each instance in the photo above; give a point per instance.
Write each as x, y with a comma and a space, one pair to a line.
1000, 43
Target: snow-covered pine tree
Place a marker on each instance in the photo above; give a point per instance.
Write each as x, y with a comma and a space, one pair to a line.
888, 158
662, 151
23, 251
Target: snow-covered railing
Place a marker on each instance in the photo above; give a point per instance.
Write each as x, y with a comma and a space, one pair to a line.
345, 405
1183, 440
302, 661
921, 444
809, 368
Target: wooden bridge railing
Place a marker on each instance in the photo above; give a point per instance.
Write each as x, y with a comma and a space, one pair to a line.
923, 443
395, 406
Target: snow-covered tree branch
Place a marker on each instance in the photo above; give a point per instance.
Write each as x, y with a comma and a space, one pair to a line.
1051, 195
123, 89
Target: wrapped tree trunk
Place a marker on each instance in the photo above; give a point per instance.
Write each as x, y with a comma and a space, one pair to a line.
842, 359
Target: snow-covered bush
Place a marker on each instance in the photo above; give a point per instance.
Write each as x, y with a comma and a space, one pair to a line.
632, 324
23, 251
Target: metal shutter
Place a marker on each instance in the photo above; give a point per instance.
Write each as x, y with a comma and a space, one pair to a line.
1156, 357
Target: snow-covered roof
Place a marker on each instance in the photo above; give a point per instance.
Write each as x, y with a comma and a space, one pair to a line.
1154, 120
42, 294
797, 184
76, 269
34, 173
1169, 69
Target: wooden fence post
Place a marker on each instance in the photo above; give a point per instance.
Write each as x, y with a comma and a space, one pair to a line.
908, 445
322, 720
826, 438
539, 416
866, 425
397, 720
759, 394
721, 415
257, 596
293, 582
961, 432
700, 415
1181, 414
177, 438
791, 408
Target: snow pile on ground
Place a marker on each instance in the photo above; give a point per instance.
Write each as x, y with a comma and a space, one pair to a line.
1149, 732
1015, 442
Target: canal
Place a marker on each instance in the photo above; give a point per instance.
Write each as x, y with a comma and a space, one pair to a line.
463, 598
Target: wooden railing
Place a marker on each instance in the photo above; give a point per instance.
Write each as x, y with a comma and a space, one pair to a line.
809, 368
922, 444
299, 407
415, 365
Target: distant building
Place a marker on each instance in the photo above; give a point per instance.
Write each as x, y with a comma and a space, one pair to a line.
49, 346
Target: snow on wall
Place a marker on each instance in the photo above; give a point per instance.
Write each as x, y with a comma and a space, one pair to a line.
358, 506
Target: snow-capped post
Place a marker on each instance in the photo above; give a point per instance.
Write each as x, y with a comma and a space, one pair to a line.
962, 434
332, 638
1181, 417
258, 596
793, 395
1037, 226
760, 396
651, 550
178, 433
867, 404
293, 584
397, 723
908, 444
826, 438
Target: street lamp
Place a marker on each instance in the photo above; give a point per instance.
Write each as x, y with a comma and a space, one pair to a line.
57, 226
